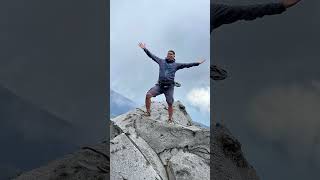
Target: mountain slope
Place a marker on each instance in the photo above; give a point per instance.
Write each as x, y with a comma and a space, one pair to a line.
119, 104
89, 163
26, 125
151, 148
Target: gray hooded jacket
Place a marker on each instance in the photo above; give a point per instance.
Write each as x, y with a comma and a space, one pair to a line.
167, 68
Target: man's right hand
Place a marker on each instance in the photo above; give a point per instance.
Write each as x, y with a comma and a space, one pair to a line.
142, 45
201, 61
289, 3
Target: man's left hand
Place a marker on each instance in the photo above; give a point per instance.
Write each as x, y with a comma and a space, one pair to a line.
200, 62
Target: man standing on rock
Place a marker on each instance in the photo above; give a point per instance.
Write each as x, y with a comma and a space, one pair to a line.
165, 85
224, 14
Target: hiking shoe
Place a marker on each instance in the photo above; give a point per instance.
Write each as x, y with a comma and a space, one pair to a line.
177, 84
146, 113
217, 73
170, 121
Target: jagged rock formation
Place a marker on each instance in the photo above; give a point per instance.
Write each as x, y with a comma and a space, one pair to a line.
89, 163
149, 148
227, 159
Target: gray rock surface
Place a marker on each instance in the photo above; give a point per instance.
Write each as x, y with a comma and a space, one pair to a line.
170, 149
185, 165
227, 159
129, 162
149, 148
179, 151
89, 163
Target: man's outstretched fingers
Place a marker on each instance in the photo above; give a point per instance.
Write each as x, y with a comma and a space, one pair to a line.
289, 3
142, 45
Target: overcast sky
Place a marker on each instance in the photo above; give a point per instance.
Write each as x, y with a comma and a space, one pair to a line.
162, 25
271, 100
53, 69
55, 61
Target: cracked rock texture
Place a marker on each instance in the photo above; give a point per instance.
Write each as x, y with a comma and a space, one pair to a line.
147, 147
227, 160
89, 163
144, 147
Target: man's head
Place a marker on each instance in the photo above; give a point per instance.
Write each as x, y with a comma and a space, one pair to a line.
171, 55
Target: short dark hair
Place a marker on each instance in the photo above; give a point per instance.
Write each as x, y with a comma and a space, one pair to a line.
172, 51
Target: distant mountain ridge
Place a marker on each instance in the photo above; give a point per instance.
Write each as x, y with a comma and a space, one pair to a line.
120, 104
199, 124
32, 127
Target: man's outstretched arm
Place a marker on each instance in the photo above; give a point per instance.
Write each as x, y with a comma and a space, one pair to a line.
224, 14
152, 56
188, 65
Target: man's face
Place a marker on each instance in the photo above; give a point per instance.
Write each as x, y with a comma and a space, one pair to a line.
170, 55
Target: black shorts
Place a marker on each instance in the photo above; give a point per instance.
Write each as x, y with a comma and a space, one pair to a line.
168, 92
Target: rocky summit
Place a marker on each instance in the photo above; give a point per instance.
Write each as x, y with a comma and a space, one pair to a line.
148, 147
88, 163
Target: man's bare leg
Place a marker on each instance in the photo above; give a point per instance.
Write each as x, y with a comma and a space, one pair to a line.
148, 104
170, 112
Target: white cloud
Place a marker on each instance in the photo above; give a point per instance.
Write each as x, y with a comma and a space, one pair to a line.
200, 98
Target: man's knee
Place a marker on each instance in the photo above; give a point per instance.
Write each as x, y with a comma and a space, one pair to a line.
149, 95
170, 102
